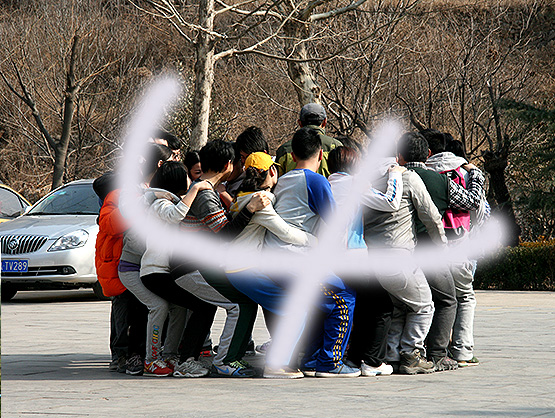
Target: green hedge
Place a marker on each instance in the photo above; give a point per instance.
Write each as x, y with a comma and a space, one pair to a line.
530, 266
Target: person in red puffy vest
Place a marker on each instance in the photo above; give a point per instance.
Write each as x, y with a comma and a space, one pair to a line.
128, 315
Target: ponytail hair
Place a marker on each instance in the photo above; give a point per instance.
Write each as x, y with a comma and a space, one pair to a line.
253, 180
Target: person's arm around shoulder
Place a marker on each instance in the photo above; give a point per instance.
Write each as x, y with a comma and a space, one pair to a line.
234, 227
390, 201
193, 191
269, 219
172, 212
471, 197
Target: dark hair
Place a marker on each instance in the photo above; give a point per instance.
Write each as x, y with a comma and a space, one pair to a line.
456, 147
253, 180
316, 121
171, 176
174, 143
348, 141
191, 158
251, 140
105, 184
154, 154
413, 147
342, 159
306, 143
436, 140
215, 155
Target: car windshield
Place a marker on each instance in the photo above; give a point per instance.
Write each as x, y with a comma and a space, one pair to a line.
10, 205
73, 199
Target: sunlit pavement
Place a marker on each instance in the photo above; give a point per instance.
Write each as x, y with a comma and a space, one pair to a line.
55, 356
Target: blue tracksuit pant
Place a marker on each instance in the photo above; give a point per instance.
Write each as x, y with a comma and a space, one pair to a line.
325, 351
327, 348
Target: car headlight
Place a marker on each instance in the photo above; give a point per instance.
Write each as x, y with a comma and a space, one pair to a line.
69, 241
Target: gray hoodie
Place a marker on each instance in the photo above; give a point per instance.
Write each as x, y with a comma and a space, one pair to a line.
445, 161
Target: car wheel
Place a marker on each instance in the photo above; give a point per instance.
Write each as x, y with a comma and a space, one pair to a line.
98, 291
8, 292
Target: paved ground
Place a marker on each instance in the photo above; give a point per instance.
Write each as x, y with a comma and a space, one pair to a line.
55, 357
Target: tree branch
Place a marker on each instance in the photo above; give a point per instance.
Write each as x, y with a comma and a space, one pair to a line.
336, 12
170, 13
234, 8
413, 119
28, 100
304, 15
252, 48
486, 136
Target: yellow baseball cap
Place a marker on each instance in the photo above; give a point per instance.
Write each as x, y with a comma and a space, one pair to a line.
259, 160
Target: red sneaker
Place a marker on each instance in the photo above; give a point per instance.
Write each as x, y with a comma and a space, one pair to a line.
157, 368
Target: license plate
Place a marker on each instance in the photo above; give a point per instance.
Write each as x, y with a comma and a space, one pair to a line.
15, 266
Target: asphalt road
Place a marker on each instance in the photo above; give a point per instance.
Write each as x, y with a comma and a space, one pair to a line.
55, 356
53, 296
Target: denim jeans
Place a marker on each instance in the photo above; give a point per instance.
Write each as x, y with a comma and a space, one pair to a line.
462, 342
445, 304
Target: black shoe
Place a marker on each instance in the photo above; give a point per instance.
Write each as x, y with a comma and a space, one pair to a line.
135, 365
395, 365
121, 364
444, 363
250, 349
113, 367
413, 363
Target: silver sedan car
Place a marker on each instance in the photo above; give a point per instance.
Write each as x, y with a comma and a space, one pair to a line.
52, 245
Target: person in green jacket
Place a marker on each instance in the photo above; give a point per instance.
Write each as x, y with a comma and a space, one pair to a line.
313, 115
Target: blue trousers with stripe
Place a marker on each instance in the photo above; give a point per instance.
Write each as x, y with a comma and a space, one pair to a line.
327, 346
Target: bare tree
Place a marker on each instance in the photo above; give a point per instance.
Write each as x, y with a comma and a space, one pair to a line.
59, 145
466, 67
277, 30
68, 77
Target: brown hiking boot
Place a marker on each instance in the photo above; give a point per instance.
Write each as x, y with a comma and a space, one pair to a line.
413, 363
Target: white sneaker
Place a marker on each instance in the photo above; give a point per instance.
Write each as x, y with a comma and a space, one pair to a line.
382, 370
284, 372
190, 368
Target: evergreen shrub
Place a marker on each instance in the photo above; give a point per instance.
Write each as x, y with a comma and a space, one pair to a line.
530, 266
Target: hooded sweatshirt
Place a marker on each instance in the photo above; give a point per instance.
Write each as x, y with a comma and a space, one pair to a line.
445, 161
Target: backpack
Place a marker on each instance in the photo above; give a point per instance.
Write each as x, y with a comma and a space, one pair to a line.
456, 222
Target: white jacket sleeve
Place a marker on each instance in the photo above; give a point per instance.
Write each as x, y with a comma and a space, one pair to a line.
269, 219
168, 211
388, 201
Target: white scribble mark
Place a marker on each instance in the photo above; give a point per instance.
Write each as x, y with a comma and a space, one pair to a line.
306, 270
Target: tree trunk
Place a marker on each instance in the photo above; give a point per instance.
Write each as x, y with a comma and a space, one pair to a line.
308, 91
60, 149
204, 76
495, 164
